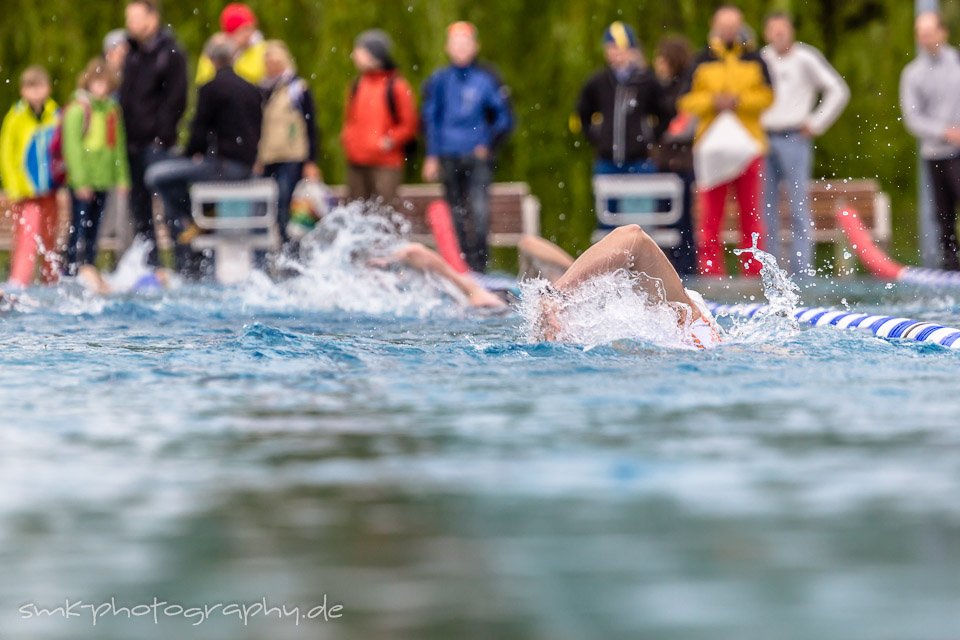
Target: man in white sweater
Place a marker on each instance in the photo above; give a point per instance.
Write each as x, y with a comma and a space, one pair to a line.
809, 96
930, 101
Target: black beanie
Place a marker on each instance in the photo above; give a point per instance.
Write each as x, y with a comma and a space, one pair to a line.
378, 43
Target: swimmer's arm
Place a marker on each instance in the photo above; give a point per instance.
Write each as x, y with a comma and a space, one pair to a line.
420, 257
631, 249
541, 256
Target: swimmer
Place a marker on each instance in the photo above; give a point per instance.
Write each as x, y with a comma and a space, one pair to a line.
91, 278
7, 302
419, 257
626, 248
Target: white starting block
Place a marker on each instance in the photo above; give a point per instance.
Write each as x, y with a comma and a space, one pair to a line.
638, 197
244, 221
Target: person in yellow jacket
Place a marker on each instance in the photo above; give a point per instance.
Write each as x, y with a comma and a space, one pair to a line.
729, 76
239, 23
26, 168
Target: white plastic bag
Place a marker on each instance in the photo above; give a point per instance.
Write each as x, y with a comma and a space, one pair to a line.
310, 202
724, 151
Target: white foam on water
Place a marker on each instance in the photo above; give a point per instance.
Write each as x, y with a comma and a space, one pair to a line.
132, 267
601, 311
332, 270
777, 321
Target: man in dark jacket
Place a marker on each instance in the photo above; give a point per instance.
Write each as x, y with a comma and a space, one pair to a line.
619, 110
224, 137
466, 114
153, 96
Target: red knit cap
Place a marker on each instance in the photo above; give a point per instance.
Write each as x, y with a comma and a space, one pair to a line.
235, 16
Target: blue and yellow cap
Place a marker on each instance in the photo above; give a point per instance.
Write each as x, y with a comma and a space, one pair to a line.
621, 35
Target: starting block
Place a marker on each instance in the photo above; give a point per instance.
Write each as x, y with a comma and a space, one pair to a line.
241, 220
653, 200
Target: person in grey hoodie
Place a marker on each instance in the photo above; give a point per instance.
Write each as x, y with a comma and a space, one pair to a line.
930, 101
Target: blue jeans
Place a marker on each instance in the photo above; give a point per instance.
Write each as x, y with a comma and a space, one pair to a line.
82, 246
466, 181
789, 162
172, 180
287, 175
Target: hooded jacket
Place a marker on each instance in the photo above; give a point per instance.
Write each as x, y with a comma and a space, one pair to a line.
731, 69
249, 64
95, 144
369, 119
153, 94
25, 159
228, 120
621, 119
464, 107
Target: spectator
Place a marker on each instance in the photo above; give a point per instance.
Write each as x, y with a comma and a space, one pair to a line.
116, 222
466, 114
25, 167
239, 23
115, 49
729, 86
380, 120
224, 137
800, 74
153, 96
288, 141
620, 107
675, 147
930, 101
95, 151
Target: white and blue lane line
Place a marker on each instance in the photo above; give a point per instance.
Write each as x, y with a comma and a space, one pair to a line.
879, 325
929, 277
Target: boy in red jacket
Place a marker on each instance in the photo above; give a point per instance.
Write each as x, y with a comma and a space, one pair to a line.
381, 120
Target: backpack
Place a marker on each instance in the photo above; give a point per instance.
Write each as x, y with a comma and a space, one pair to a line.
410, 148
58, 165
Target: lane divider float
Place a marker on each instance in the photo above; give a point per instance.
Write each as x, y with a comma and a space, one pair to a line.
879, 325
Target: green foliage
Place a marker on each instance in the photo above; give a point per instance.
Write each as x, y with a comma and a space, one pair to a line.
545, 51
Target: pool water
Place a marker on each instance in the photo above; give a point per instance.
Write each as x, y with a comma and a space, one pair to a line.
440, 475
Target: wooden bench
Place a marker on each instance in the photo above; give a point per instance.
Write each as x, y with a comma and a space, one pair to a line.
514, 211
826, 198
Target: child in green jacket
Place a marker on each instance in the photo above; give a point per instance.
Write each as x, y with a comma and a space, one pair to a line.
94, 150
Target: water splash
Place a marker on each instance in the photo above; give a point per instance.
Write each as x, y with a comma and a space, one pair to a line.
602, 310
783, 297
132, 269
331, 271
782, 293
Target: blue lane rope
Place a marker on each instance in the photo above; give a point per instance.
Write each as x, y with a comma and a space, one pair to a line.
879, 325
